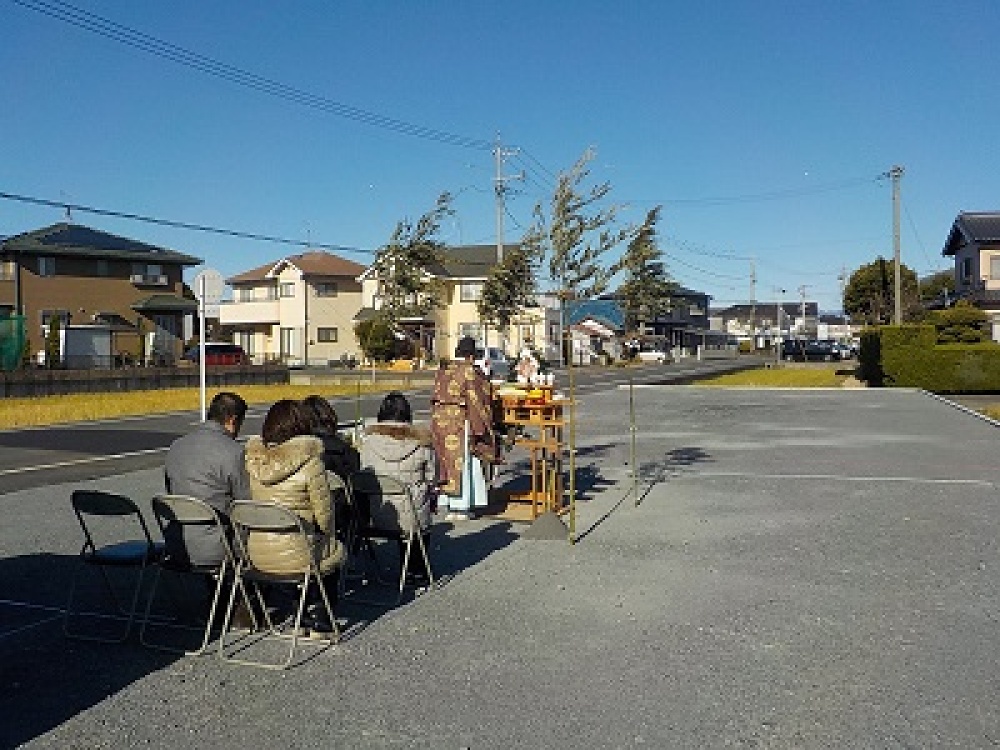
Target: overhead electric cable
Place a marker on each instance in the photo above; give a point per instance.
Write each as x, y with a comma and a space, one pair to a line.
179, 224
768, 196
109, 29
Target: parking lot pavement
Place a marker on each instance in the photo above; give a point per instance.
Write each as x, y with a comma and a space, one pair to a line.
803, 569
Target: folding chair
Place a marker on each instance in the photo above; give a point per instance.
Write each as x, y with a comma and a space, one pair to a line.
250, 518
105, 519
390, 520
189, 513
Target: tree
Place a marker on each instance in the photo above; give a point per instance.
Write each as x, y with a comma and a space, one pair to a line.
963, 323
376, 339
509, 288
405, 289
645, 292
869, 294
575, 236
52, 344
939, 286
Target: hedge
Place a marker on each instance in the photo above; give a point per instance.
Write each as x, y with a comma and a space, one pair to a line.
909, 357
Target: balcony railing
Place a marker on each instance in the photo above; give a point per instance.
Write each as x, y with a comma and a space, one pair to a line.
141, 279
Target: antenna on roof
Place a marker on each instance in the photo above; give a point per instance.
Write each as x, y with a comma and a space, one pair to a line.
67, 208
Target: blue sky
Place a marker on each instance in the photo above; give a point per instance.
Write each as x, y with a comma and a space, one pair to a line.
761, 126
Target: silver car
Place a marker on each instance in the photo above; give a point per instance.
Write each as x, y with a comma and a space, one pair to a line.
493, 363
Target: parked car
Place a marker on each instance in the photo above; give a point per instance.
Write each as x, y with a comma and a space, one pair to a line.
217, 353
493, 363
803, 350
653, 355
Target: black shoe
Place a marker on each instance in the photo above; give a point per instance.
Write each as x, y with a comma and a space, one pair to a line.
316, 620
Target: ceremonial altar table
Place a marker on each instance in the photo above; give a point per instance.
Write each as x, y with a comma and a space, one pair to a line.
538, 416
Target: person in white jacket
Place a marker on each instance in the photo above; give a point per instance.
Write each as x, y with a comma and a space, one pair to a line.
394, 446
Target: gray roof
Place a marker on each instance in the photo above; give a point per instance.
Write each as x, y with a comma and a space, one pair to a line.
467, 261
972, 227
79, 241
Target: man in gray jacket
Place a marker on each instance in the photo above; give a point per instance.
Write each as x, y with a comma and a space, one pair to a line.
208, 464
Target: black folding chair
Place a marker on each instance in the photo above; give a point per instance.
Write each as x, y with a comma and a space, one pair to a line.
181, 512
391, 515
267, 518
109, 523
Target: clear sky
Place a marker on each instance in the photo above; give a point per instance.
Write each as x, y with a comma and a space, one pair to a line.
762, 126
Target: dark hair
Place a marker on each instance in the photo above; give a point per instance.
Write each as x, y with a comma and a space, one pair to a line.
395, 408
226, 404
321, 414
284, 420
466, 347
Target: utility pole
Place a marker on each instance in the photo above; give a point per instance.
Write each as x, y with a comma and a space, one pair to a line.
802, 307
753, 305
500, 189
896, 173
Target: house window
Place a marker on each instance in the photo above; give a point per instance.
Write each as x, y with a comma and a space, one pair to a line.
468, 329
102, 267
46, 265
287, 289
965, 271
287, 342
326, 335
47, 316
242, 294
470, 291
329, 289
995, 267
7, 270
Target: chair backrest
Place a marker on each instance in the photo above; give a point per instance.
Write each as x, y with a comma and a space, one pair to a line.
120, 508
249, 517
390, 500
184, 509
172, 512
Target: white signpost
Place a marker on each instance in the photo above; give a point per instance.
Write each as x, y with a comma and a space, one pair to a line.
208, 285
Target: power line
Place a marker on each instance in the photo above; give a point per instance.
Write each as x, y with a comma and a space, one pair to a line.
109, 29
759, 197
179, 224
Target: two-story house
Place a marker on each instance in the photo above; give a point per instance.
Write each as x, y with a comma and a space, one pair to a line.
86, 277
464, 269
299, 309
974, 243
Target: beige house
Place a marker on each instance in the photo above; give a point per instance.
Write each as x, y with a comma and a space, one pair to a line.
465, 270
299, 310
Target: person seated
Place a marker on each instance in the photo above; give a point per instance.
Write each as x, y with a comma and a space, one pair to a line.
339, 456
395, 447
285, 464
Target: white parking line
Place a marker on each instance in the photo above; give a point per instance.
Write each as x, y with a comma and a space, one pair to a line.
80, 461
832, 477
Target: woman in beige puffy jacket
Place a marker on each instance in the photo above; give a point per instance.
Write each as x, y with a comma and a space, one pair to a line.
285, 465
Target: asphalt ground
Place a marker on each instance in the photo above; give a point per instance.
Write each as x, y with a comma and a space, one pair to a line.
803, 569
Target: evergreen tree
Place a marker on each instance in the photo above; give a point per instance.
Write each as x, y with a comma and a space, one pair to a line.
52, 345
509, 289
645, 292
869, 294
405, 290
575, 236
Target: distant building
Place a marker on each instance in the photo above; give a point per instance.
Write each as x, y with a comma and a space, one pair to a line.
299, 309
974, 243
93, 279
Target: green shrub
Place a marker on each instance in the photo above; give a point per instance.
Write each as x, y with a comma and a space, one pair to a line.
909, 357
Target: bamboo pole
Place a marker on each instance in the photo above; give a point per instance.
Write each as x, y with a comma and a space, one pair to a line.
631, 427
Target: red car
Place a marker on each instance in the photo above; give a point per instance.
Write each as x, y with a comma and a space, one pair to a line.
218, 353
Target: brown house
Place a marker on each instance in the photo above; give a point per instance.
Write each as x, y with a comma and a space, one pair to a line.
88, 278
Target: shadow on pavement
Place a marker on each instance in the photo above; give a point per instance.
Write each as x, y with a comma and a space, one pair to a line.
46, 678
